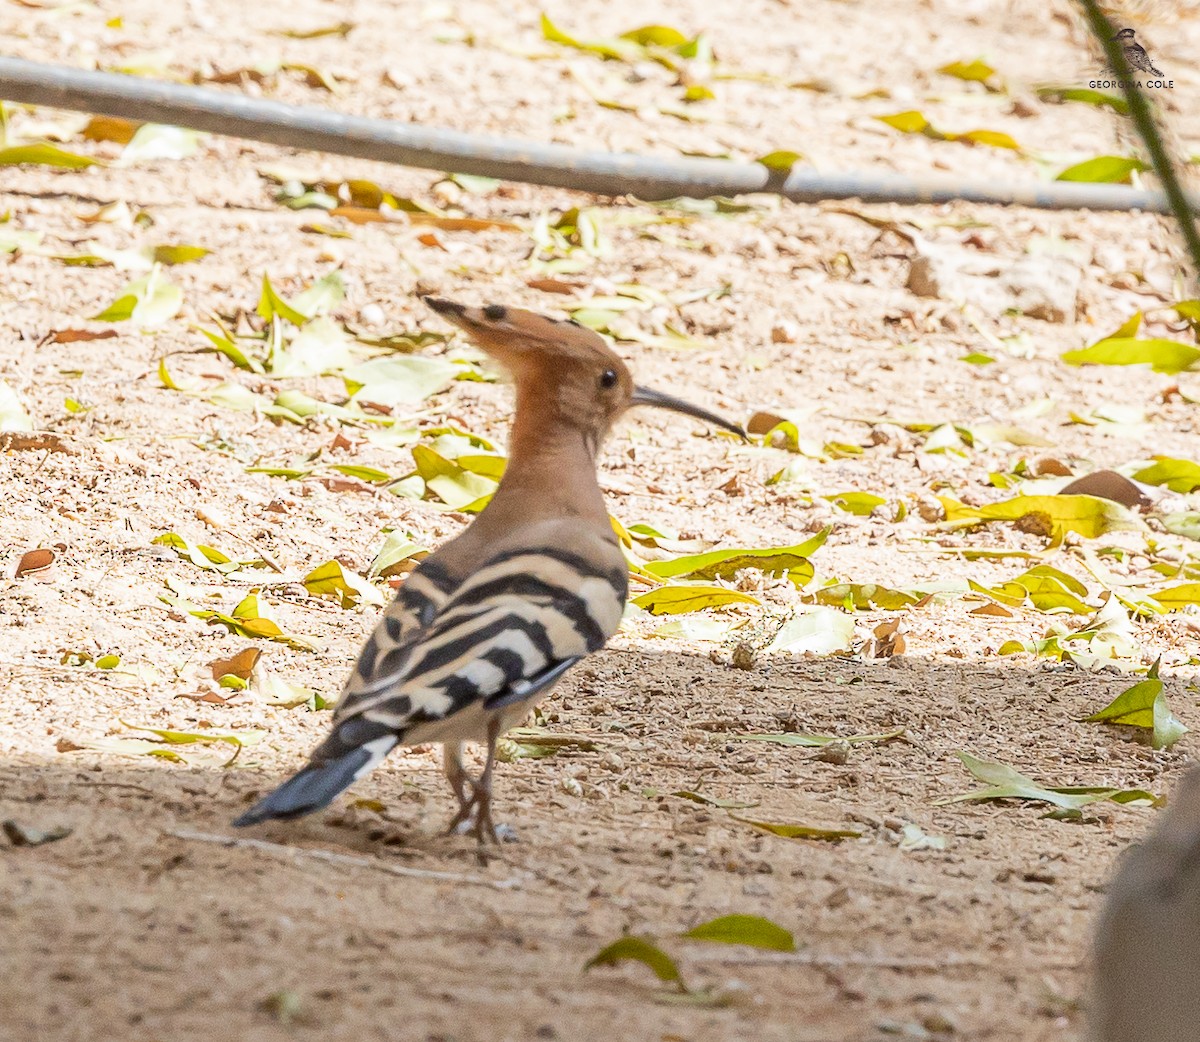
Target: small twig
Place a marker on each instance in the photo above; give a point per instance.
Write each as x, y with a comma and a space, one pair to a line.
335, 858
1143, 120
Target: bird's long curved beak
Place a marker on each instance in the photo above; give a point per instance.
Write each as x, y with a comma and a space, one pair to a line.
645, 396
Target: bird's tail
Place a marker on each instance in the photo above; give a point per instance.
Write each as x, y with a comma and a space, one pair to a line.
344, 757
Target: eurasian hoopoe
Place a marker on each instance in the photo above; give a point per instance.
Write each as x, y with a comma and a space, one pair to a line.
482, 629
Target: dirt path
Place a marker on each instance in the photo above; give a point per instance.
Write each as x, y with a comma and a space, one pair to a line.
138, 926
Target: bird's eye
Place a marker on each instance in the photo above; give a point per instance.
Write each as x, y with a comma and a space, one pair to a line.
608, 379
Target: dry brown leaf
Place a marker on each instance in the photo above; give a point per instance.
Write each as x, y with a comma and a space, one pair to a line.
1107, 484
71, 336
110, 128
1048, 466
562, 286
763, 422
889, 641
34, 561
239, 665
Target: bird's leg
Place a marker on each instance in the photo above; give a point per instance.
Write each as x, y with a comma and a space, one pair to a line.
461, 782
485, 828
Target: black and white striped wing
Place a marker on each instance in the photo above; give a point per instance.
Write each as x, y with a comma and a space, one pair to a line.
412, 610
507, 633
442, 672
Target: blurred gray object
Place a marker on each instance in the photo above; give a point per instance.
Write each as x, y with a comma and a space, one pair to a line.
1147, 949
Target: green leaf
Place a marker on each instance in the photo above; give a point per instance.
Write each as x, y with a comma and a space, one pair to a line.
638, 949
42, 153
271, 304
910, 122
153, 141
1144, 705
977, 71
236, 738
1086, 95
1103, 170
712, 801
675, 599
340, 29
231, 350
180, 253
782, 160
616, 49
322, 296
1090, 516
816, 741
1163, 356
1179, 475
13, 416
977, 358
994, 138
332, 579
791, 561
1052, 590
1005, 782
201, 556
320, 347
249, 619
751, 930
660, 35
1176, 598
398, 548
147, 302
858, 503
792, 831
817, 631
397, 380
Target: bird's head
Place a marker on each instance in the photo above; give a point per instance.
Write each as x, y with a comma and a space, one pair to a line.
568, 370
1125, 34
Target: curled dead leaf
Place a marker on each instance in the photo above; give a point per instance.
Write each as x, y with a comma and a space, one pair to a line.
239, 665
1048, 466
1108, 484
34, 561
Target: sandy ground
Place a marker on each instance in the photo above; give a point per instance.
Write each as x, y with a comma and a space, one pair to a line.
137, 926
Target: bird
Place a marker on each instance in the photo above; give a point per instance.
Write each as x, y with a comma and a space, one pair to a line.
483, 628
1135, 53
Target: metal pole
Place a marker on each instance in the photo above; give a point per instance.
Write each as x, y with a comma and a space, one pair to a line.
601, 173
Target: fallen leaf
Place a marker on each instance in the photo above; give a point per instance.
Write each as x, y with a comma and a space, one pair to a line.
817, 631
1107, 484
753, 931
20, 835
792, 831
673, 599
33, 561
638, 949
1004, 782
1144, 705
1163, 356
